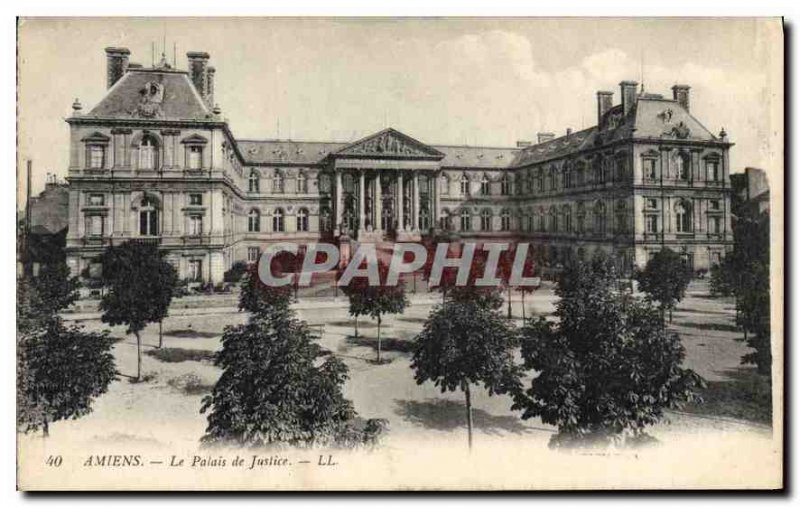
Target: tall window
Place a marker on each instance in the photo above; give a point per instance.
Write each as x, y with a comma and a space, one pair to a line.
505, 220
484, 185
277, 220
253, 221
649, 168
552, 182
96, 225
464, 183
148, 153
552, 220
444, 183
580, 174
682, 166
540, 180
97, 156
651, 224
253, 182
148, 218
302, 184
621, 217
715, 225
486, 219
302, 220
712, 170
195, 225
277, 183
253, 253
567, 176
325, 219
600, 218
195, 270
683, 217
466, 224
505, 185
195, 157
566, 211
620, 168
581, 219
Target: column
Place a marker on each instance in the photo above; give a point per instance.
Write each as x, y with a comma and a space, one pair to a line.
400, 202
378, 203
338, 202
415, 197
361, 199
435, 205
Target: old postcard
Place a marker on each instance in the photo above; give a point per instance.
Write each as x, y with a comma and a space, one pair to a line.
400, 253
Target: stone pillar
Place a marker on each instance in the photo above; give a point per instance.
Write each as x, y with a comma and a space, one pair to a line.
400, 202
337, 189
415, 203
361, 200
378, 203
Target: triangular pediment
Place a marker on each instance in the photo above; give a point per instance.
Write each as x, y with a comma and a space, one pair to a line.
390, 143
96, 137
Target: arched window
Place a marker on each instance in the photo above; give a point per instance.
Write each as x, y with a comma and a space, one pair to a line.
552, 182
424, 219
444, 184
302, 184
567, 175
682, 166
505, 185
486, 219
683, 217
253, 221
581, 218
621, 217
566, 212
484, 185
148, 217
325, 219
253, 182
464, 183
277, 183
580, 174
540, 180
597, 169
540, 222
447, 220
600, 218
302, 220
466, 220
148, 153
505, 220
552, 220
277, 220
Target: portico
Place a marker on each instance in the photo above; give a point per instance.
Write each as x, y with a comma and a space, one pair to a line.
384, 188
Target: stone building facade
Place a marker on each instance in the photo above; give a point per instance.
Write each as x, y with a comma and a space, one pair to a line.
156, 161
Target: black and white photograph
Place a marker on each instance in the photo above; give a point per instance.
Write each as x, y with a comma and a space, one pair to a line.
399, 254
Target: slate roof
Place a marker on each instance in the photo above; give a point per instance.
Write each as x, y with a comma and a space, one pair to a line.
181, 101
276, 151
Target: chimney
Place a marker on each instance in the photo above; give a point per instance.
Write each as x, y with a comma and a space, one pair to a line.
604, 103
523, 144
542, 137
116, 64
198, 71
210, 86
628, 89
680, 94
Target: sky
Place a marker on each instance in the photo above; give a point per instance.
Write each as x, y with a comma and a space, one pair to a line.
478, 81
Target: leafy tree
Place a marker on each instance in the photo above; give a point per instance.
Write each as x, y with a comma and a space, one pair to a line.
235, 274
354, 290
379, 300
53, 289
607, 368
505, 268
277, 385
464, 343
665, 279
141, 284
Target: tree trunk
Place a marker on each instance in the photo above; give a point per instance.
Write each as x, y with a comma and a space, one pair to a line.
379, 339
468, 399
523, 305
138, 356
356, 326
45, 427
509, 302
160, 335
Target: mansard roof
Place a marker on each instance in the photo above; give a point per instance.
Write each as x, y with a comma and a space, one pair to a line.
651, 118
162, 94
276, 151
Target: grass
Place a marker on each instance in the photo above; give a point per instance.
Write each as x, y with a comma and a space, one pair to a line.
711, 327
190, 333
191, 384
179, 355
743, 395
387, 344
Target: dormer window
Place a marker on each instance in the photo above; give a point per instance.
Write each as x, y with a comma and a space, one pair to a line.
484, 185
148, 153
253, 182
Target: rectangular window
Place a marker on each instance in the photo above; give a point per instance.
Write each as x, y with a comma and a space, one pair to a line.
649, 167
712, 169
196, 199
651, 223
714, 225
714, 204
195, 225
253, 253
97, 200
195, 157
715, 257
652, 203
96, 226
195, 270
97, 157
